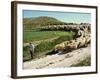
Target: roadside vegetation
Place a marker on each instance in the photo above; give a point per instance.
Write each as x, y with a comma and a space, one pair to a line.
85, 62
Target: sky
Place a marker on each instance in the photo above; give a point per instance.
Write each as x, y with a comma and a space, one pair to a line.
69, 17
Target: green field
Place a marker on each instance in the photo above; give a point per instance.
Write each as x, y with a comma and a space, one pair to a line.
42, 35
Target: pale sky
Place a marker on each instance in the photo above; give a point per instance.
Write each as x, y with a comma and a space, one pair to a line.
74, 17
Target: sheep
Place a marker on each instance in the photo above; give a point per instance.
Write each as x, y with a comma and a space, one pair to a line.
59, 47
73, 46
88, 40
82, 38
82, 42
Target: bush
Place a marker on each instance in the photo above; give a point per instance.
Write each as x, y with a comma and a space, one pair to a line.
26, 54
86, 62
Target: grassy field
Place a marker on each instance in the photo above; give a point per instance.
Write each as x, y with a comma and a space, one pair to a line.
42, 35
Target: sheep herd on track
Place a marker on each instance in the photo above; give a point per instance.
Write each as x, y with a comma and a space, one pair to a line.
82, 37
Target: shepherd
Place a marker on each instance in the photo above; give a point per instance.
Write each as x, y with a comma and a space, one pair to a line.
31, 49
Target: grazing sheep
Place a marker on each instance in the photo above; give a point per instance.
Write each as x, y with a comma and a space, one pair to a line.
59, 47
82, 42
82, 37
73, 46
88, 40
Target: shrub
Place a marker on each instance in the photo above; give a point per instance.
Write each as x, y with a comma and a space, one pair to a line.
85, 62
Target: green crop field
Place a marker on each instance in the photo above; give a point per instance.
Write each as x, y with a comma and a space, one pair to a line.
42, 35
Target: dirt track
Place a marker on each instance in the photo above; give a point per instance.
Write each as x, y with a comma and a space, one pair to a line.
54, 61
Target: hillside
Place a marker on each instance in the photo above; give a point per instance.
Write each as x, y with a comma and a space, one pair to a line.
41, 21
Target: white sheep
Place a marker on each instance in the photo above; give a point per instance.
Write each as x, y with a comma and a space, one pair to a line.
59, 47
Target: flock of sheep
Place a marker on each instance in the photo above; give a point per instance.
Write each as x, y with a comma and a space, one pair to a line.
68, 27
82, 39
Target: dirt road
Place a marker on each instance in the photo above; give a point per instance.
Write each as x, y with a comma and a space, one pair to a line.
57, 61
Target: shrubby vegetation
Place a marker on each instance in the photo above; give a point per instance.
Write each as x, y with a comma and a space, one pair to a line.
86, 62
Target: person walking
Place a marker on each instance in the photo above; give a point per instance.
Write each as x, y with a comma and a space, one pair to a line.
31, 49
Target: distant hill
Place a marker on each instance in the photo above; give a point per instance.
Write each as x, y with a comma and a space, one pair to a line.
41, 21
